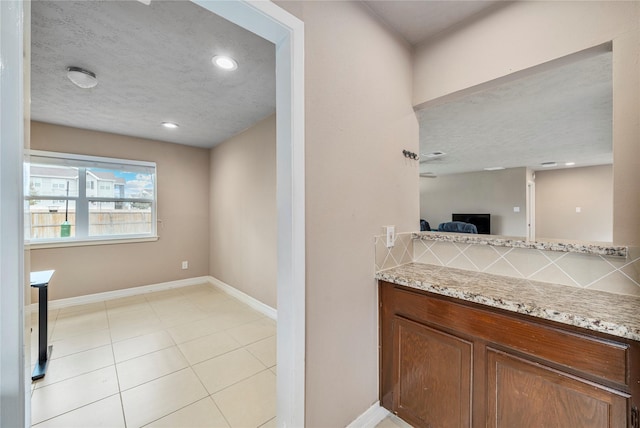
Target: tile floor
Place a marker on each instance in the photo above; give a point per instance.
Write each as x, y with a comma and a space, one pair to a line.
186, 357
392, 421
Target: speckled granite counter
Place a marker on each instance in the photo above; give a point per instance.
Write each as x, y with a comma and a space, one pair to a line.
610, 313
515, 242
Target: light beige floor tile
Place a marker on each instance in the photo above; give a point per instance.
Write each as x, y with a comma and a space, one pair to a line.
106, 413
75, 325
264, 350
141, 345
193, 330
199, 290
83, 342
210, 302
220, 372
170, 294
150, 366
165, 306
182, 316
270, 424
53, 400
202, 414
63, 368
74, 310
125, 301
161, 397
137, 328
123, 319
392, 421
127, 304
253, 331
207, 347
229, 319
249, 403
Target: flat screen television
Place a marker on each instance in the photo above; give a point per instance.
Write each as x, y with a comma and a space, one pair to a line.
481, 221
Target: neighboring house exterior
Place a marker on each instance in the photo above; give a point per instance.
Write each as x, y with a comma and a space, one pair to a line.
54, 181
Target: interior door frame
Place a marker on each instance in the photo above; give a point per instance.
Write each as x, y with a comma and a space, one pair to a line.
260, 17
14, 390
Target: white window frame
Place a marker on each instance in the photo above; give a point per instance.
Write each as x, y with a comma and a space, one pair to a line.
82, 201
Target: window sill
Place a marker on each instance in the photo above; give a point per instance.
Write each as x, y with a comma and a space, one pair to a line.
61, 244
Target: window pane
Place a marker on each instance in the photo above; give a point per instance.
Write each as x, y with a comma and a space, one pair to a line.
112, 183
53, 180
119, 218
48, 219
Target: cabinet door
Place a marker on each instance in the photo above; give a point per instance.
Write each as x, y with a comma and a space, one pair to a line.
432, 376
522, 393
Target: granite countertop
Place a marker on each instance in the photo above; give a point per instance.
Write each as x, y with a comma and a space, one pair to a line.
614, 314
519, 242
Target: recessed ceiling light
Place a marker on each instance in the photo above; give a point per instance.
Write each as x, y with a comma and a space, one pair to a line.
494, 168
82, 78
548, 164
569, 164
224, 62
170, 125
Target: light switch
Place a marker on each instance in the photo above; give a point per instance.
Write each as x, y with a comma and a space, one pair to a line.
516, 209
578, 209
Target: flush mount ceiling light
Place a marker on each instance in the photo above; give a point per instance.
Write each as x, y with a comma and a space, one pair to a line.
170, 125
434, 155
428, 174
548, 164
569, 163
494, 168
224, 62
82, 78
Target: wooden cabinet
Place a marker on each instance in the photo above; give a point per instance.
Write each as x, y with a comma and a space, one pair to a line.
432, 367
448, 363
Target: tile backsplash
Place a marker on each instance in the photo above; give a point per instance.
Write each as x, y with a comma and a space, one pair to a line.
399, 254
613, 274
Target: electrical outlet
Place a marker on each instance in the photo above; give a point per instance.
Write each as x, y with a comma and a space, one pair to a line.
391, 235
185, 265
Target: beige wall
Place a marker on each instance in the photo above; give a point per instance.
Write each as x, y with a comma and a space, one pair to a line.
358, 120
559, 192
493, 192
242, 206
183, 212
528, 33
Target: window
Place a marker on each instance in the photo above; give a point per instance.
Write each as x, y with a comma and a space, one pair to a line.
86, 198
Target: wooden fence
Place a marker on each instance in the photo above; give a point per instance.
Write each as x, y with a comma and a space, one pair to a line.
46, 225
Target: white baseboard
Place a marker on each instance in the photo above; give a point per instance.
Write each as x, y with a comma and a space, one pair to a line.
134, 291
245, 298
126, 292
371, 417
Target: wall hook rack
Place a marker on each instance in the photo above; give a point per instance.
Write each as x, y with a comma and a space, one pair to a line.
410, 155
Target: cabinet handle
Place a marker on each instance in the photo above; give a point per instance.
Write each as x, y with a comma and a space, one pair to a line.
635, 418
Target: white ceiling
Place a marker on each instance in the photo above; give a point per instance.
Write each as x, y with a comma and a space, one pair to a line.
563, 114
153, 64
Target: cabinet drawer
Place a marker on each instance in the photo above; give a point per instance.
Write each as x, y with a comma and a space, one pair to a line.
589, 355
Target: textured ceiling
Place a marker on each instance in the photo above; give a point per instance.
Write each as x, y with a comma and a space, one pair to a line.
559, 115
419, 20
153, 64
